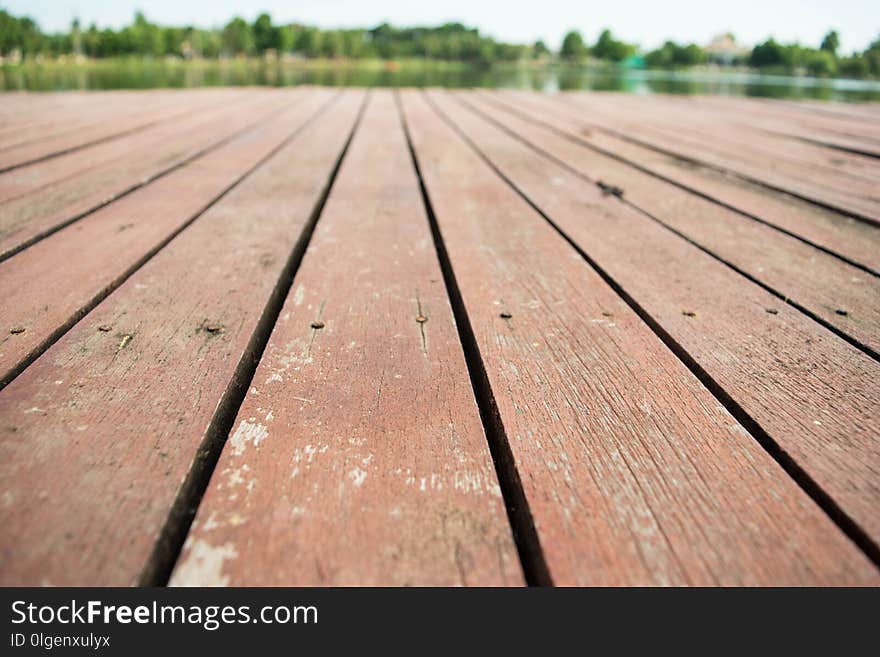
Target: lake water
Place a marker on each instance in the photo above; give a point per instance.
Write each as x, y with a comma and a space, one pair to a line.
141, 74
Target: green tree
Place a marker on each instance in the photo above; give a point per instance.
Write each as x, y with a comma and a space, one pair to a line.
238, 39
831, 42
573, 46
872, 58
607, 47
146, 37
540, 49
821, 62
308, 42
266, 35
768, 53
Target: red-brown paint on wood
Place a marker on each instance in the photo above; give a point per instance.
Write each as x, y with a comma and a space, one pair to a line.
842, 180
740, 140
30, 117
358, 457
813, 393
99, 432
119, 125
846, 133
838, 233
41, 119
101, 248
634, 473
822, 284
751, 118
76, 184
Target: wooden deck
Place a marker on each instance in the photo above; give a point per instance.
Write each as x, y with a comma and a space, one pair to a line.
338, 337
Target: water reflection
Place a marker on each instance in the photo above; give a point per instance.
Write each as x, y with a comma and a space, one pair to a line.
143, 74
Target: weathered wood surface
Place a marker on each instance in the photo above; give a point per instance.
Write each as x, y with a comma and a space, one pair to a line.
110, 243
101, 431
40, 198
819, 282
809, 390
841, 180
634, 472
840, 234
527, 380
57, 136
359, 447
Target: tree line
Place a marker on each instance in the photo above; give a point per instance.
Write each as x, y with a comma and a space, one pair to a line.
826, 60
451, 42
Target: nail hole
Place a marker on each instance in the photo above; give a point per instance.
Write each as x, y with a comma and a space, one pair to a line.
772, 311
505, 315
16, 330
841, 311
688, 313
317, 325
213, 328
105, 328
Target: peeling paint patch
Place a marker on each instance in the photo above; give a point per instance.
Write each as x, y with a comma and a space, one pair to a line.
358, 476
203, 566
247, 432
299, 295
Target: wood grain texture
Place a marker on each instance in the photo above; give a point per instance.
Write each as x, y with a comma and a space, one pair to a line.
100, 250
30, 118
50, 194
634, 473
98, 434
818, 282
117, 124
841, 180
24, 110
755, 119
358, 457
851, 238
813, 393
845, 133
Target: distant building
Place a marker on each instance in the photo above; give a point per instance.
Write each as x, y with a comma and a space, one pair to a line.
723, 49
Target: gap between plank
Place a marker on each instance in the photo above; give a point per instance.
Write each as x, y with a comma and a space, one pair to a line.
157, 571
124, 276
143, 183
88, 144
802, 478
742, 176
519, 514
861, 346
598, 149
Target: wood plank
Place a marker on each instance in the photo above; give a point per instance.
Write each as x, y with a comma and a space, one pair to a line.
47, 196
831, 290
843, 181
812, 394
27, 112
39, 176
751, 116
738, 123
160, 108
845, 133
42, 119
381, 478
635, 474
849, 238
105, 247
98, 435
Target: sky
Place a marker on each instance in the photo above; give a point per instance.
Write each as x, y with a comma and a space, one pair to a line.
642, 22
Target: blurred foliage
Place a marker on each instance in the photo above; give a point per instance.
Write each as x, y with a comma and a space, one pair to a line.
21, 39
